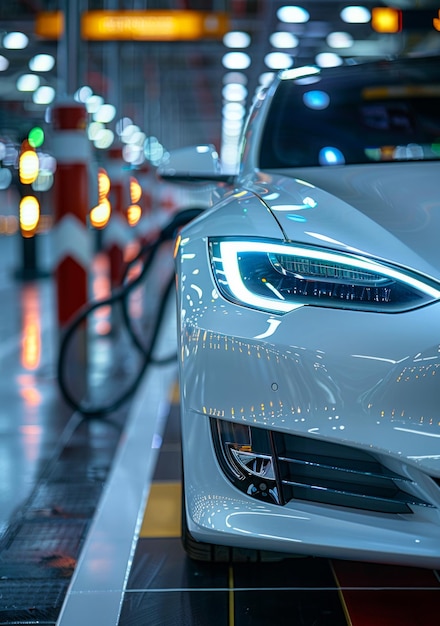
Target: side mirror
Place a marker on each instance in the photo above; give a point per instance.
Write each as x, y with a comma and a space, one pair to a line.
195, 164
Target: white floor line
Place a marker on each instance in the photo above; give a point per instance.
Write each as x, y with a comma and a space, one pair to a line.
96, 591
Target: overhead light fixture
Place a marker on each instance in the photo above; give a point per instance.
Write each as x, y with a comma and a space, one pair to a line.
355, 15
44, 95
4, 63
105, 113
339, 40
234, 92
15, 41
42, 63
236, 60
293, 15
328, 59
237, 39
278, 60
28, 82
283, 40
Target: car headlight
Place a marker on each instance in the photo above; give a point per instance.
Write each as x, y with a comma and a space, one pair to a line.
280, 277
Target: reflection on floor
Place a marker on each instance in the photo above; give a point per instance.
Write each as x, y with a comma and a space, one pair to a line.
90, 508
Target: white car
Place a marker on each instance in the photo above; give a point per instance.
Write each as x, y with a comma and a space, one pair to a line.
309, 323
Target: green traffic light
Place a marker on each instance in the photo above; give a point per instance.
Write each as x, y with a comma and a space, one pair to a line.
36, 137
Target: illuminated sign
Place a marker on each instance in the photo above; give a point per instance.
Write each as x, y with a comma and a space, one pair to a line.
173, 25
392, 20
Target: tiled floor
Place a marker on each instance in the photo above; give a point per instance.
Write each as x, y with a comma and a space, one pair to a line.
72, 489
90, 507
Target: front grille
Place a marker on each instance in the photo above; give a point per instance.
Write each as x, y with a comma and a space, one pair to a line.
308, 469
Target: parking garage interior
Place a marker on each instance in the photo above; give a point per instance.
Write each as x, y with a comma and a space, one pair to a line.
90, 450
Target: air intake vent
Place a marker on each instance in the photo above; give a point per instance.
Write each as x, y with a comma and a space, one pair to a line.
279, 467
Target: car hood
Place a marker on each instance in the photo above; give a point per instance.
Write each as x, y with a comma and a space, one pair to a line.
390, 210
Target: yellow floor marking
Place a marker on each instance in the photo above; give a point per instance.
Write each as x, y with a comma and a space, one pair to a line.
163, 512
175, 393
341, 597
231, 621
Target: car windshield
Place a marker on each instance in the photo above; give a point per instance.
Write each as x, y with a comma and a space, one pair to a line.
358, 114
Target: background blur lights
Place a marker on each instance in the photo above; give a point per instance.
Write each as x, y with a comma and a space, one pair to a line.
283, 40
236, 39
104, 139
5, 178
328, 59
278, 60
236, 60
339, 40
15, 41
355, 15
28, 82
42, 63
105, 113
4, 63
83, 93
94, 103
29, 214
293, 14
234, 92
44, 95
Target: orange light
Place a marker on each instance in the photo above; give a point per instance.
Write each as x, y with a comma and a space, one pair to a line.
166, 25
29, 215
103, 184
49, 24
173, 25
100, 214
386, 20
134, 213
135, 190
436, 21
28, 166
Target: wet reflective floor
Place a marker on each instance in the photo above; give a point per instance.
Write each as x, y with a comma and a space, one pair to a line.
90, 507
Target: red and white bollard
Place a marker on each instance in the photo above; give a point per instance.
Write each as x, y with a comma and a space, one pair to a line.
72, 237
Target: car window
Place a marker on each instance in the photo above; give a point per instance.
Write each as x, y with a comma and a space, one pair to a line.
354, 116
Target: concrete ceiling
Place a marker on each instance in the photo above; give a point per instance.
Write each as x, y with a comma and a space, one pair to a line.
174, 90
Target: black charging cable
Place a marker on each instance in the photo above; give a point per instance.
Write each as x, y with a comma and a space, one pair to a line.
119, 296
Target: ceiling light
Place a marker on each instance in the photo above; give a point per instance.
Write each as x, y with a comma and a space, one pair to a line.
355, 15
94, 103
4, 63
104, 139
28, 82
237, 39
83, 94
235, 77
234, 111
44, 95
339, 40
105, 113
328, 59
266, 78
15, 41
278, 60
235, 92
94, 129
293, 15
236, 60
284, 40
42, 63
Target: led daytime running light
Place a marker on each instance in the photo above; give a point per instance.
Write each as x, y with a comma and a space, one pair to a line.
280, 278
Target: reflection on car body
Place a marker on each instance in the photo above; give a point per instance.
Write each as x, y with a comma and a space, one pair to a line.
308, 303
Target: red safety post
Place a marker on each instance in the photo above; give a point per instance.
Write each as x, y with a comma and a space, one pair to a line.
72, 237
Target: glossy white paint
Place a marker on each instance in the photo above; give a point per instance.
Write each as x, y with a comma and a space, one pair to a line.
366, 379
